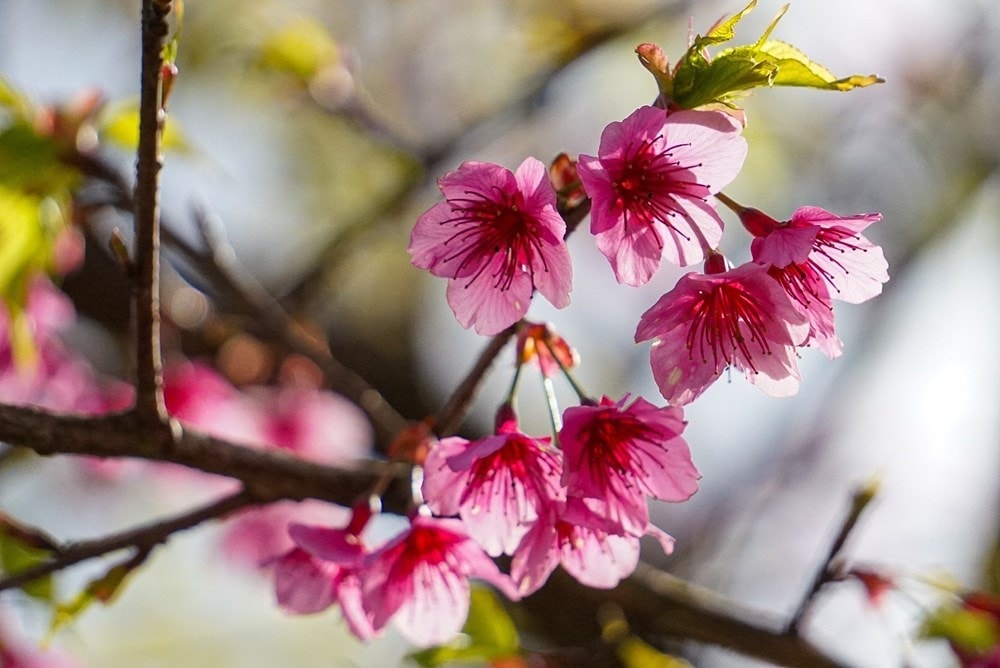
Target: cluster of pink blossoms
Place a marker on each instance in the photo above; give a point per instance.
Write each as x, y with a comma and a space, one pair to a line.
579, 497
583, 506
497, 237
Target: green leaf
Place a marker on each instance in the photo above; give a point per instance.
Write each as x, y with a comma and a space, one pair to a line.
16, 556
722, 78
102, 590
797, 69
28, 228
701, 79
489, 633
121, 127
968, 629
30, 162
635, 653
725, 30
300, 48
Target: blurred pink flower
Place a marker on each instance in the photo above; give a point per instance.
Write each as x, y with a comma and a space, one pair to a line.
16, 651
322, 569
620, 453
497, 237
420, 580
650, 183
311, 424
56, 379
498, 485
739, 317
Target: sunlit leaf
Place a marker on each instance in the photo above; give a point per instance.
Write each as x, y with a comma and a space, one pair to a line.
489, 633
28, 228
725, 30
968, 629
30, 162
300, 48
635, 653
702, 79
102, 590
121, 127
16, 556
797, 69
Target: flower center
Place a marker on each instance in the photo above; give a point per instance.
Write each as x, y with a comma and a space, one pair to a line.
727, 320
493, 235
649, 182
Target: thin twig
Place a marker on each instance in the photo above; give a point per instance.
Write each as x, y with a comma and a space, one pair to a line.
829, 570
242, 294
455, 409
650, 604
149, 367
143, 538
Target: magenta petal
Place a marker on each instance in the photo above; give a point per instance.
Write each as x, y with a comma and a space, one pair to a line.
535, 559
303, 584
444, 484
334, 545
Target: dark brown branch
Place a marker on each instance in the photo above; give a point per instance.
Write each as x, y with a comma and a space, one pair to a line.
829, 570
658, 606
655, 604
146, 298
143, 538
267, 474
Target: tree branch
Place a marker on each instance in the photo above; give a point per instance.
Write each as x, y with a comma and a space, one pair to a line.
829, 570
143, 538
146, 299
658, 606
267, 474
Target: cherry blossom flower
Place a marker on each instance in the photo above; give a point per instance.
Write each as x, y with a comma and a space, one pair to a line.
649, 186
497, 237
420, 580
498, 485
323, 568
832, 246
591, 548
739, 318
311, 424
619, 453
816, 257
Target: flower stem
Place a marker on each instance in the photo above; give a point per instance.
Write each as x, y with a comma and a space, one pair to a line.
553, 406
732, 204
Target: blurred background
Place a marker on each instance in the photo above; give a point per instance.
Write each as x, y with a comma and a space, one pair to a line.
316, 173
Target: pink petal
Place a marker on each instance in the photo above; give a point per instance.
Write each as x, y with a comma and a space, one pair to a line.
303, 584
481, 305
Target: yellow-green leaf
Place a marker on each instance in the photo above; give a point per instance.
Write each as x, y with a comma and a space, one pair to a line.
300, 48
968, 629
102, 590
635, 653
28, 227
489, 633
726, 30
121, 127
797, 69
17, 556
